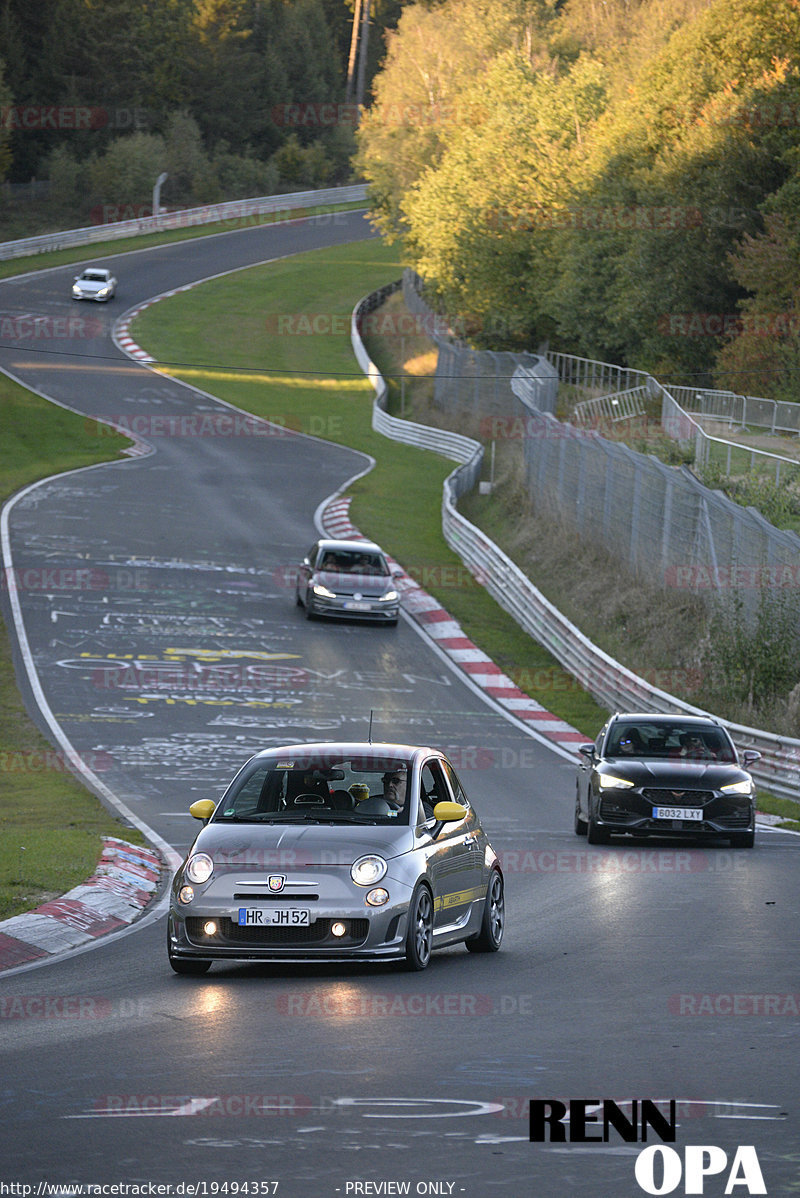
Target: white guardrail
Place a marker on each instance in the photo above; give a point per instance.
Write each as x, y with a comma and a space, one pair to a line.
235, 211
611, 683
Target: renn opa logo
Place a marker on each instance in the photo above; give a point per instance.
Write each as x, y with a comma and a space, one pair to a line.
659, 1170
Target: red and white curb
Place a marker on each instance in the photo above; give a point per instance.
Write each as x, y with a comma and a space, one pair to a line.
452, 641
124, 882
122, 334
123, 339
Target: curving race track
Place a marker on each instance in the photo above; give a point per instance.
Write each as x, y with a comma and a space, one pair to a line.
657, 973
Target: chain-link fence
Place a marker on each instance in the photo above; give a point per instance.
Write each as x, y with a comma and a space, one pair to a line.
481, 383
659, 520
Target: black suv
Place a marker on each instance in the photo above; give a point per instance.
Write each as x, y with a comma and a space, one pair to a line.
665, 775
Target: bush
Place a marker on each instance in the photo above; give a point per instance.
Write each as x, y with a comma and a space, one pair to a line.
127, 171
777, 502
751, 661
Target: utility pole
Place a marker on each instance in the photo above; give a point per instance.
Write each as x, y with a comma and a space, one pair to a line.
362, 54
351, 62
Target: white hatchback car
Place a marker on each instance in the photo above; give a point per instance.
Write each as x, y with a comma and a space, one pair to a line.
96, 283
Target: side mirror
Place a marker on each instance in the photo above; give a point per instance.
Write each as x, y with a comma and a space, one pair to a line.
202, 809
749, 757
586, 751
449, 813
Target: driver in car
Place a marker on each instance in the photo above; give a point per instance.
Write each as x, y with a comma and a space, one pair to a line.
394, 788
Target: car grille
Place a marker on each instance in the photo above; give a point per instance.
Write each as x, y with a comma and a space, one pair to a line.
282, 896
316, 934
660, 797
635, 807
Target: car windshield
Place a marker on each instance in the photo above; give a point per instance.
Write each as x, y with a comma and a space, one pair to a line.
681, 741
95, 276
320, 789
352, 562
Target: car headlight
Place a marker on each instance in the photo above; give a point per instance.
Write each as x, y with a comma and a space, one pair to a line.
368, 870
612, 782
389, 597
199, 867
76, 289
738, 788
323, 592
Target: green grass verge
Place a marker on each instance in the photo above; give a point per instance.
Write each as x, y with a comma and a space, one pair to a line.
254, 333
789, 809
50, 826
122, 245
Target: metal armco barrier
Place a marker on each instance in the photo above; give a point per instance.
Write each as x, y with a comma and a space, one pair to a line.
231, 210
611, 683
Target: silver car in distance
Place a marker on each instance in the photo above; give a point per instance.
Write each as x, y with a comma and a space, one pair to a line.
348, 579
95, 283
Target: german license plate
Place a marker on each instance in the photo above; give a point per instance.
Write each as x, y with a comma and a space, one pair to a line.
272, 917
695, 813
355, 605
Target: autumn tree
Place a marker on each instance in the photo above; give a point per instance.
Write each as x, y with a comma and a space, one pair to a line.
433, 58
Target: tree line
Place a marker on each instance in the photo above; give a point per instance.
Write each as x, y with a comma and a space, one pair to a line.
230, 97
618, 180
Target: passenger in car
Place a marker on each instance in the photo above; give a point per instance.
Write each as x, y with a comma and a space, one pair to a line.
693, 745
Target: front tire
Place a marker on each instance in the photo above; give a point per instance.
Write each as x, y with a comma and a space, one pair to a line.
419, 937
493, 924
595, 834
580, 823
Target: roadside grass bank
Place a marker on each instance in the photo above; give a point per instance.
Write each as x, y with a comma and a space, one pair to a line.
275, 340
123, 245
50, 825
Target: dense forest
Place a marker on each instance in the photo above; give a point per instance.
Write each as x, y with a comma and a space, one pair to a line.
619, 179
231, 98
